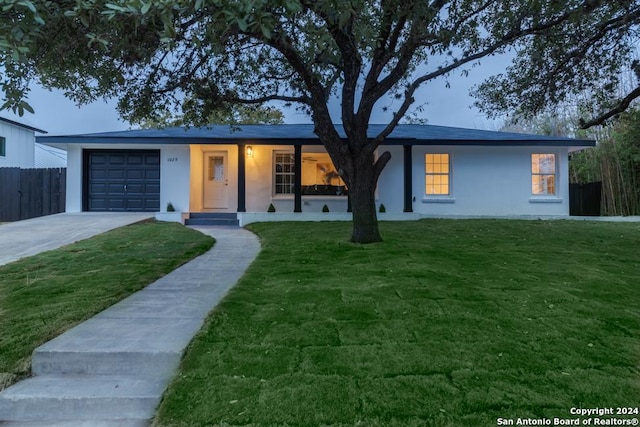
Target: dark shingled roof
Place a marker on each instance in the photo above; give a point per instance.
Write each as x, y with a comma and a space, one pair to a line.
297, 134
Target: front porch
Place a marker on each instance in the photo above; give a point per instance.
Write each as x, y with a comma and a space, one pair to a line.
298, 178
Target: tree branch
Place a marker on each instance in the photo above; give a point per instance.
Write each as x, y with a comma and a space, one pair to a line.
506, 40
261, 100
619, 108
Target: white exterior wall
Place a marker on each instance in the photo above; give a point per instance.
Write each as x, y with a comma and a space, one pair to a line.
260, 181
390, 190
174, 173
485, 181
74, 178
20, 146
175, 163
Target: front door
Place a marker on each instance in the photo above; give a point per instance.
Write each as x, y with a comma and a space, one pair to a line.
216, 183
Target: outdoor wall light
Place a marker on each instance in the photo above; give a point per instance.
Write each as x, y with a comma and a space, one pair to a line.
249, 151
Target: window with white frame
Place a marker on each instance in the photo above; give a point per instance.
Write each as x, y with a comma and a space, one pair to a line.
543, 174
284, 172
3, 146
437, 174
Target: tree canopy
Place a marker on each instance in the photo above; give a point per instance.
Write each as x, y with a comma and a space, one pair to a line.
196, 57
590, 61
234, 115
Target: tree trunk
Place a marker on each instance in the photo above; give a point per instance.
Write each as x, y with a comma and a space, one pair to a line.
362, 181
355, 161
363, 206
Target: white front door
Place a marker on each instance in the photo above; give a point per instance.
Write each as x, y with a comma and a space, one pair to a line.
216, 183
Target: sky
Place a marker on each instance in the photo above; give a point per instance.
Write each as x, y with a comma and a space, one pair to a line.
442, 106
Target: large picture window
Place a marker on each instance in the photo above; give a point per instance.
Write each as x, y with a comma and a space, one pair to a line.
543, 174
319, 176
437, 174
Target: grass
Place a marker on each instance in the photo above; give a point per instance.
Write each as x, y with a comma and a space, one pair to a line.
46, 294
446, 323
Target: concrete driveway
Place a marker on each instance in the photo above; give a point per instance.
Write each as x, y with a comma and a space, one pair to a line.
25, 238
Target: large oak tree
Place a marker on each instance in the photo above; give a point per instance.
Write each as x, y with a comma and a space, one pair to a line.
195, 57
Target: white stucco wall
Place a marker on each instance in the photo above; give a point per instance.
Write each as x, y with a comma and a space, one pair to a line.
485, 181
20, 146
175, 162
74, 178
174, 173
390, 191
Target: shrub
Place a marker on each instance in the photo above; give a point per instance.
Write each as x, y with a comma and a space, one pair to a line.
271, 208
382, 209
325, 208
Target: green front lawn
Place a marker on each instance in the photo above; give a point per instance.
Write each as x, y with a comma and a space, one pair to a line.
446, 323
46, 294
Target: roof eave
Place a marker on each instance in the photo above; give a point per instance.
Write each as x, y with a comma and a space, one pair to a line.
22, 125
79, 139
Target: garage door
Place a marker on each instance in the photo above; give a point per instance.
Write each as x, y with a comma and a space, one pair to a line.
123, 180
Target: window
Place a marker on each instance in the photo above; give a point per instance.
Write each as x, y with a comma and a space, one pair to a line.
319, 176
216, 168
284, 165
3, 146
543, 174
437, 174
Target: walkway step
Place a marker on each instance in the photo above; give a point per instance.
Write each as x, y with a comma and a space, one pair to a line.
219, 215
111, 370
212, 221
112, 363
117, 346
59, 398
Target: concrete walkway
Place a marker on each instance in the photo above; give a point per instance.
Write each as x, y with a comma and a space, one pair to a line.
25, 238
112, 369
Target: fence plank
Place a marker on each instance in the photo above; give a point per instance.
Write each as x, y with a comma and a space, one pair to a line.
584, 199
9, 194
28, 193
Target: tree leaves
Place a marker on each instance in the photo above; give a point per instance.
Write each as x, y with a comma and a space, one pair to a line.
575, 40
584, 53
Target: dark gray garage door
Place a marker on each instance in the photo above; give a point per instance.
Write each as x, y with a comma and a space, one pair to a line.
122, 180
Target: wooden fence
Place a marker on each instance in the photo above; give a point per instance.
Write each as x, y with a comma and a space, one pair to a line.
584, 199
28, 193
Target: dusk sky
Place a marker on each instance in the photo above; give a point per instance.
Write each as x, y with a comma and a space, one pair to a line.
445, 106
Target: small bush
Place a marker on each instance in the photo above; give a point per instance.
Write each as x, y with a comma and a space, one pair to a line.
170, 207
382, 209
325, 208
271, 208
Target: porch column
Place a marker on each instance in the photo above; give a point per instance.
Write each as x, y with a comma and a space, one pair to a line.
242, 186
408, 179
297, 179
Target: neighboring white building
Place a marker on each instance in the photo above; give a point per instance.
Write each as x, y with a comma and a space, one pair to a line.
434, 171
49, 157
17, 144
